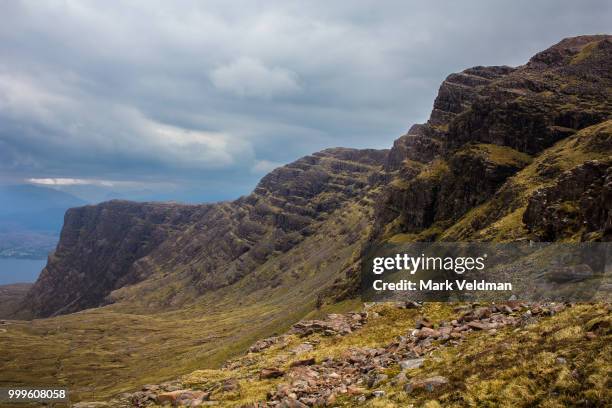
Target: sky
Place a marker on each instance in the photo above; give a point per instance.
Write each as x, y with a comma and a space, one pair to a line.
197, 100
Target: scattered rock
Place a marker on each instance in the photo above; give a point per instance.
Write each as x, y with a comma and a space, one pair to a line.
230, 384
265, 344
334, 324
302, 348
270, 373
412, 363
291, 403
183, 397
354, 390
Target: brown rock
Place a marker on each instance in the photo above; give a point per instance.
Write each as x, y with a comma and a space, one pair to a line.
230, 384
291, 403
426, 332
428, 384
270, 373
354, 390
479, 325
305, 362
423, 322
179, 397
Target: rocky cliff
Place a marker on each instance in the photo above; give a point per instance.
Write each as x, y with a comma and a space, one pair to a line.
503, 156
202, 247
490, 141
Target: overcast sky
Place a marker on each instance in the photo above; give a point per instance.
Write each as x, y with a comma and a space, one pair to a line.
196, 100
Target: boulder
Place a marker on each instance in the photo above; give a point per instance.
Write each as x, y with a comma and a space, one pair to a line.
183, 397
273, 372
428, 384
412, 363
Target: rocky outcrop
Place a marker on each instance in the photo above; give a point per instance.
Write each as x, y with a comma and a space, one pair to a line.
459, 91
356, 374
485, 125
335, 324
560, 91
579, 202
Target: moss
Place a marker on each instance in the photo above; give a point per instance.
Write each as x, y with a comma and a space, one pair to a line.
434, 170
584, 53
500, 155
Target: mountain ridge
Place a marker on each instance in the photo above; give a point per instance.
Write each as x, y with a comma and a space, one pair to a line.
487, 124
508, 154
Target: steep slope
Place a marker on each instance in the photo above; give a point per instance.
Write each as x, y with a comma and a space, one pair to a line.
179, 252
452, 178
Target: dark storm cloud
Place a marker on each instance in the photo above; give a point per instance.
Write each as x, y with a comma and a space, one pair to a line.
202, 95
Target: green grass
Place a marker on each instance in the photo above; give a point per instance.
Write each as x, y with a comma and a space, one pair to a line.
101, 352
520, 367
500, 155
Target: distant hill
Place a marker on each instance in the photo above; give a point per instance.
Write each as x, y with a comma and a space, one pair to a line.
31, 218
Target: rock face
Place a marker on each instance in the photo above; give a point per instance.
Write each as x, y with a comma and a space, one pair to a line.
579, 201
97, 251
108, 246
489, 123
480, 168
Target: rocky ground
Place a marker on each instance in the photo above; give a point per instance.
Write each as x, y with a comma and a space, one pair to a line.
298, 377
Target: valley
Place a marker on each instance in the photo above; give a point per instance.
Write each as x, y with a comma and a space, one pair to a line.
148, 293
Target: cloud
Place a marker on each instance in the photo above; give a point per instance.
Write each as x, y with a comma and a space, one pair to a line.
249, 77
60, 182
263, 167
68, 182
211, 95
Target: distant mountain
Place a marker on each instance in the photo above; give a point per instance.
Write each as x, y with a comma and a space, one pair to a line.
31, 218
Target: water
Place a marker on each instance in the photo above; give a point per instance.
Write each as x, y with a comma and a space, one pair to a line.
20, 270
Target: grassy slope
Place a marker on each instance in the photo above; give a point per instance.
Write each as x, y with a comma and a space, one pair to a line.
519, 367
110, 351
500, 219
516, 367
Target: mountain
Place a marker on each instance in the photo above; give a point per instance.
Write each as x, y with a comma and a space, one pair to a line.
205, 246
31, 218
507, 154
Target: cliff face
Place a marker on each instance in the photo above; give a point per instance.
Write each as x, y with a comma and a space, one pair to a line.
97, 250
451, 177
506, 154
202, 247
